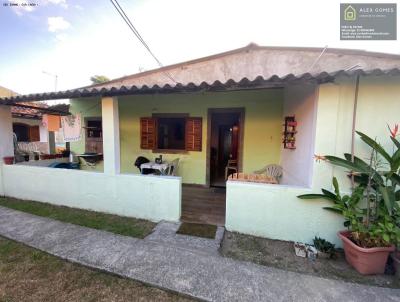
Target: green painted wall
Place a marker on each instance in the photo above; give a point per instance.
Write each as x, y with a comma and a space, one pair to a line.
262, 130
252, 208
262, 133
378, 106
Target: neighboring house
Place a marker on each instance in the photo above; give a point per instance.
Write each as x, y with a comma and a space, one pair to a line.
30, 132
230, 106
27, 125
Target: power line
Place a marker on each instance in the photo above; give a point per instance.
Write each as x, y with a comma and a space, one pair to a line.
122, 13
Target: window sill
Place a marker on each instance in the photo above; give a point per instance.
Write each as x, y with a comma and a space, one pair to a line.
170, 151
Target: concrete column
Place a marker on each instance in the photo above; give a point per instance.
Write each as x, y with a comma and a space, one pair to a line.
52, 143
6, 132
111, 143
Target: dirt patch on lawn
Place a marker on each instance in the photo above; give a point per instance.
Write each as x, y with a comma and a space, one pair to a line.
198, 230
280, 254
27, 274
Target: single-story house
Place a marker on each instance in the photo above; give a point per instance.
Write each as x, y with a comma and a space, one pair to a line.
31, 134
249, 108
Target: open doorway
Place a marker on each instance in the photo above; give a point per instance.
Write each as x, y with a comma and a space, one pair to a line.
224, 145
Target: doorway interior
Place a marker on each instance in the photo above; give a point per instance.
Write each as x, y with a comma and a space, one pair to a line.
224, 144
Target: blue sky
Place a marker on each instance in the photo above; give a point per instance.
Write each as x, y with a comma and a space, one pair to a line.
76, 39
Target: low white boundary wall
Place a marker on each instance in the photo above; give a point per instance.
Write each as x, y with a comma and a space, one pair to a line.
274, 211
143, 196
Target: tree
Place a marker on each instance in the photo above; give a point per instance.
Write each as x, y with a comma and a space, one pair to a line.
98, 79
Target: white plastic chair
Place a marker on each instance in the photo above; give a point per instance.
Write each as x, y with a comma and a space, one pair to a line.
173, 167
272, 170
231, 166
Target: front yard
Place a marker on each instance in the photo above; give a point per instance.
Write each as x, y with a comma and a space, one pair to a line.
112, 223
27, 274
280, 254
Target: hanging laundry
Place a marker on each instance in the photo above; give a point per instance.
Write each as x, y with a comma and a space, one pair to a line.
71, 127
51, 122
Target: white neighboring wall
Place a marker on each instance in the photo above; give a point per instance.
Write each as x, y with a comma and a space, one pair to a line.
297, 164
143, 196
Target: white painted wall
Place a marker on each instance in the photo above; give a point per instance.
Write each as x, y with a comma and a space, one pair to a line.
143, 196
44, 133
297, 164
274, 211
43, 162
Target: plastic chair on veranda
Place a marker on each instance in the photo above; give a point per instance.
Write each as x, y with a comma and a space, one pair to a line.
272, 170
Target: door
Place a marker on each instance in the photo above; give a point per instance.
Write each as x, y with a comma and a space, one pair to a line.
224, 145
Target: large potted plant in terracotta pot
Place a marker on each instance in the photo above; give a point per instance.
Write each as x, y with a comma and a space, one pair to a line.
372, 210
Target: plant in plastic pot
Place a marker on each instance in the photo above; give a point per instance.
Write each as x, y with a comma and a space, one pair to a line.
326, 249
372, 210
8, 160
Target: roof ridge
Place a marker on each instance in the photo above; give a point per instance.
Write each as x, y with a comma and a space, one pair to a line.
258, 82
250, 46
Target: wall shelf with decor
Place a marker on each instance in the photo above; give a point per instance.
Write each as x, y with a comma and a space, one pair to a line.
289, 132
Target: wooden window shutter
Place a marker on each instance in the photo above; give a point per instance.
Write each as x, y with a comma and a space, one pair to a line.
148, 131
34, 134
193, 139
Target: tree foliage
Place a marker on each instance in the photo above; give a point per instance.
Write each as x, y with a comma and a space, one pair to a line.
98, 79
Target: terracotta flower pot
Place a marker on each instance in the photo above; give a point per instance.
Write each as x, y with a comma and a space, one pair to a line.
8, 160
396, 263
367, 261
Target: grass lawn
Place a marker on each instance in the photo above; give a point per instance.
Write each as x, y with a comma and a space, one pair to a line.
27, 274
116, 224
280, 254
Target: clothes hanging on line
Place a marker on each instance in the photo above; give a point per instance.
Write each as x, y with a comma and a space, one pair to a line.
51, 122
71, 127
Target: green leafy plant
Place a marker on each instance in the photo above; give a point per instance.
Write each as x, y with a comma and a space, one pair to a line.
372, 210
324, 246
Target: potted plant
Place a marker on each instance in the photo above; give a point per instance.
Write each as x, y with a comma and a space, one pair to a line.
326, 249
372, 210
8, 160
396, 262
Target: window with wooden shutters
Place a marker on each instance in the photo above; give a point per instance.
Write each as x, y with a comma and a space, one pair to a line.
193, 139
148, 130
34, 134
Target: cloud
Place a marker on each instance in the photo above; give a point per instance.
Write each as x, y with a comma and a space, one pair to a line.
78, 7
61, 37
57, 24
62, 3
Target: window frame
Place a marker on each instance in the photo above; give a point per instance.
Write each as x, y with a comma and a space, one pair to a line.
95, 140
29, 129
158, 116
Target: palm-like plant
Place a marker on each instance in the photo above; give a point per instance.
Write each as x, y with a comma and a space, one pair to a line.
378, 183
